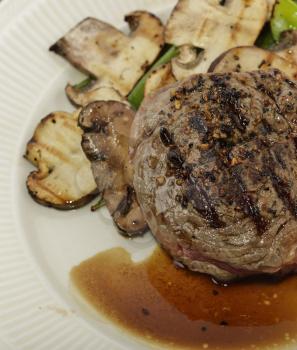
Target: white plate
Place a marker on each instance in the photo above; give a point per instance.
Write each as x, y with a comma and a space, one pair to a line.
40, 245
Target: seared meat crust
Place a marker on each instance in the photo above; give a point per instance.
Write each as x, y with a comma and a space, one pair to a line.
215, 172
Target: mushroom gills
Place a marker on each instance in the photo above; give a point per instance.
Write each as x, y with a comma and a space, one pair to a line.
81, 96
106, 126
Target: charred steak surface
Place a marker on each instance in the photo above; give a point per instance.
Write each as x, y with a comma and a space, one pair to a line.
215, 172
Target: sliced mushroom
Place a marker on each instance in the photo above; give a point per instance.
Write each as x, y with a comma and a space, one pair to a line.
270, 4
287, 47
159, 78
249, 58
204, 29
92, 92
64, 178
106, 126
104, 52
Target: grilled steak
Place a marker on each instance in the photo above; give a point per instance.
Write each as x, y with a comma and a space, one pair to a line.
215, 172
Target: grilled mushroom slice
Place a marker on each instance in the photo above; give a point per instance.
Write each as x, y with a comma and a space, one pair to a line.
204, 29
104, 52
270, 4
159, 78
64, 179
92, 92
249, 58
106, 126
287, 47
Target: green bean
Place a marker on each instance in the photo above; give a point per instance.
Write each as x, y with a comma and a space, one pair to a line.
137, 94
284, 17
84, 83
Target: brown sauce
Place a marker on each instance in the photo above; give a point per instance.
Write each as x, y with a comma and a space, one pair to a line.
157, 301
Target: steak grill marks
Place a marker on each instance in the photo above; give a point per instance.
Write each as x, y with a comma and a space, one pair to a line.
229, 100
247, 204
283, 190
281, 187
195, 192
203, 203
269, 93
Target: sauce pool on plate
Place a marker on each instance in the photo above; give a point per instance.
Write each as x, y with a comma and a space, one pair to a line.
162, 303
